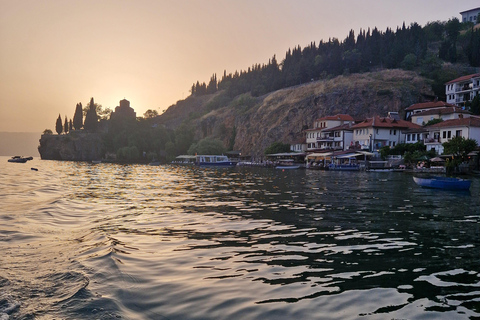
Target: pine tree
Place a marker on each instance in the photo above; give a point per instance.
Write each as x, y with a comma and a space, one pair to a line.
70, 125
78, 117
58, 125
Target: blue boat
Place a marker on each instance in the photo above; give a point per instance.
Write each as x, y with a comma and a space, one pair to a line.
445, 183
214, 161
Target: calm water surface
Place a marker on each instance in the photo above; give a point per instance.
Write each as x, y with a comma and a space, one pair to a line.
106, 241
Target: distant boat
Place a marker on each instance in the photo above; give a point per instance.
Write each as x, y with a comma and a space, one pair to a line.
96, 161
445, 183
154, 163
19, 159
214, 161
286, 164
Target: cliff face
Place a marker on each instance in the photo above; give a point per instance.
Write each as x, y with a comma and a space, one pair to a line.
75, 146
284, 114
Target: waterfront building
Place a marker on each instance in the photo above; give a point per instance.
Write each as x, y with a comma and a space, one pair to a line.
463, 89
377, 132
314, 138
441, 132
336, 138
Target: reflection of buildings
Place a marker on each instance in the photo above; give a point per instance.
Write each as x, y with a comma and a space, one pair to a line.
124, 111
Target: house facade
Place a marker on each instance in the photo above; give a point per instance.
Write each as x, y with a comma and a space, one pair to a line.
425, 106
469, 128
314, 138
471, 15
463, 89
377, 132
336, 138
446, 113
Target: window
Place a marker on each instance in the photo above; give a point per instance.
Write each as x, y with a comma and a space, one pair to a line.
408, 137
394, 132
418, 137
449, 134
444, 134
394, 143
458, 133
376, 131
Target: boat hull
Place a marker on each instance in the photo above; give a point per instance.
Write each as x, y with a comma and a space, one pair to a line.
443, 183
287, 167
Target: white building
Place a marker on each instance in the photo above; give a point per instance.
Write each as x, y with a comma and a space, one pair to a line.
463, 89
377, 132
471, 15
313, 136
425, 106
447, 113
469, 128
336, 138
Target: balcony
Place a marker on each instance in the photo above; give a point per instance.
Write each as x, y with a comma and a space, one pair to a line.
431, 140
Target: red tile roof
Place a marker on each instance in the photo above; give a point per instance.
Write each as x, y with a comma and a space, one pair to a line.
464, 78
344, 117
469, 122
429, 105
346, 127
446, 110
379, 122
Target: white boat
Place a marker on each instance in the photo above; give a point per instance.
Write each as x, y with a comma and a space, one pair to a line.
286, 164
214, 161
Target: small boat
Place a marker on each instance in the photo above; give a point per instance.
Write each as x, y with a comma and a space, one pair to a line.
445, 183
286, 164
19, 159
154, 163
96, 161
214, 161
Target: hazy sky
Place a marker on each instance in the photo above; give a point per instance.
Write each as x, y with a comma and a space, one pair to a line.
54, 54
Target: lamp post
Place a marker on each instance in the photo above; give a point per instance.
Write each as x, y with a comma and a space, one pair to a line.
370, 143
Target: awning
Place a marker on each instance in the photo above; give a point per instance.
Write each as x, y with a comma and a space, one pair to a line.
350, 155
318, 155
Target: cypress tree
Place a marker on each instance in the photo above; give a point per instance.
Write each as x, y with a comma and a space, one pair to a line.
65, 125
58, 125
91, 119
78, 117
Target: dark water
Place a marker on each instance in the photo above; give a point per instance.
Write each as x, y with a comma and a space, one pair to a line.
82, 241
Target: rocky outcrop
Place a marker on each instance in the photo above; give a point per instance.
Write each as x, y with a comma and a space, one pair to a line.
78, 146
284, 114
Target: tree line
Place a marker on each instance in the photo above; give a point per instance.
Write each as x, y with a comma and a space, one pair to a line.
412, 48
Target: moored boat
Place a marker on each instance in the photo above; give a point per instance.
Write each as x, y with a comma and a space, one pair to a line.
445, 183
19, 159
287, 164
214, 161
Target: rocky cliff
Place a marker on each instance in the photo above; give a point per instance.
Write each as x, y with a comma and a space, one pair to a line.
79, 146
254, 123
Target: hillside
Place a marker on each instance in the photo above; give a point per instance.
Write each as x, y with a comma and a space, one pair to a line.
250, 124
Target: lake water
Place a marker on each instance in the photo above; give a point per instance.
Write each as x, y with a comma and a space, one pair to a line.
106, 241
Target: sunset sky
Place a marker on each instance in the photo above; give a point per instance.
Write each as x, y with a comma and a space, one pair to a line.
54, 54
